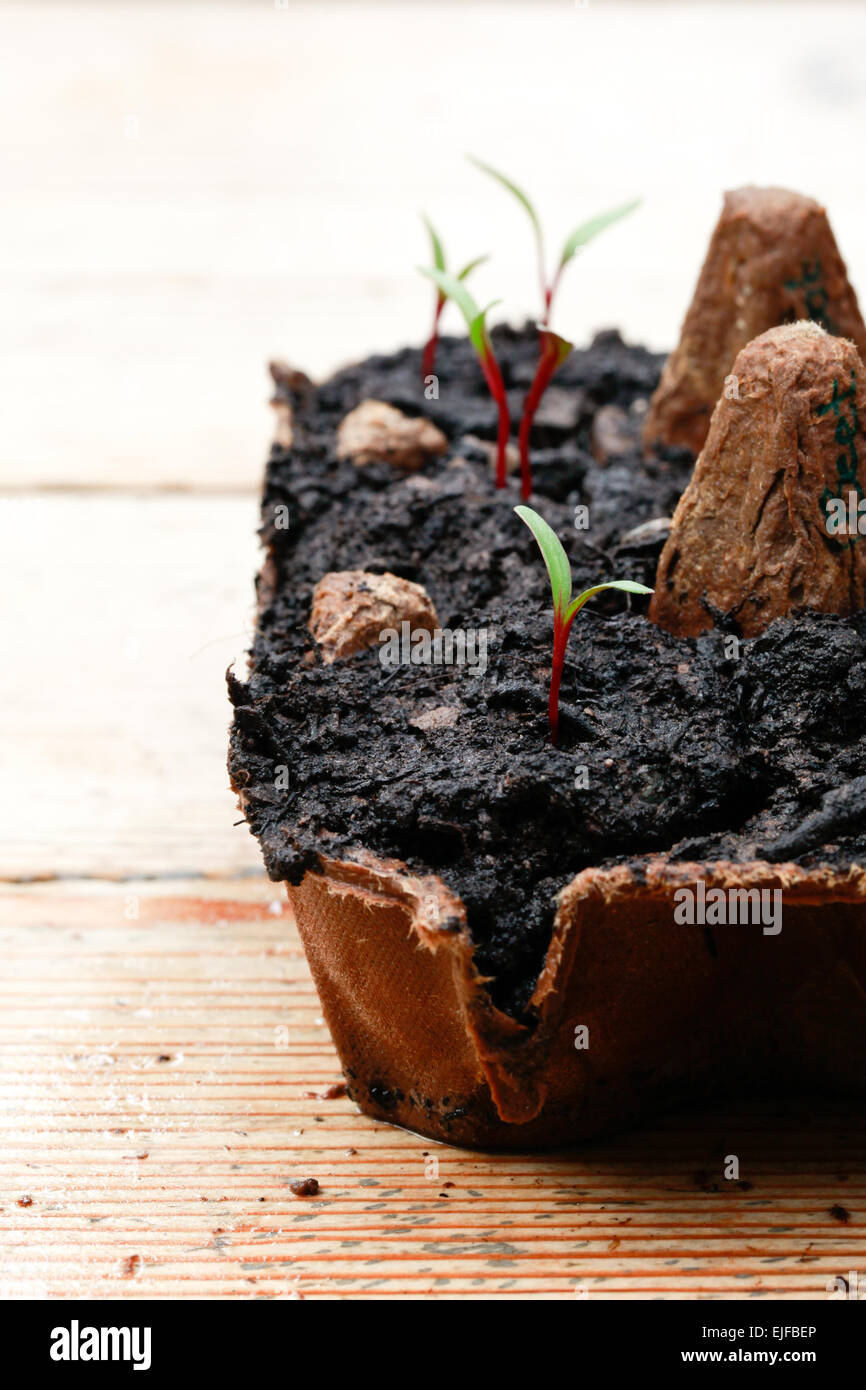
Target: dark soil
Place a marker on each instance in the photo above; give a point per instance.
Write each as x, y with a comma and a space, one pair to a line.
687, 747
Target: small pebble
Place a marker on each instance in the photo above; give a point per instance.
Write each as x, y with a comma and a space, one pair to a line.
304, 1187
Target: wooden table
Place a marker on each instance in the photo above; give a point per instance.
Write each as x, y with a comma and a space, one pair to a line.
165, 1076
184, 197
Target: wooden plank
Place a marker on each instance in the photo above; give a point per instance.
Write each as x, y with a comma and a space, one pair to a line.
124, 614
162, 1069
185, 196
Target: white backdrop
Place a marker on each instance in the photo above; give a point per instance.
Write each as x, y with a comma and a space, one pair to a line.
189, 188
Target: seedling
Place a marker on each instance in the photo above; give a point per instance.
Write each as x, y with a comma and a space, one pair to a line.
428, 357
553, 351
565, 608
455, 289
578, 239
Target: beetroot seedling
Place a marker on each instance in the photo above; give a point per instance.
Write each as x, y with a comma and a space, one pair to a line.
428, 357
574, 243
553, 351
565, 608
475, 318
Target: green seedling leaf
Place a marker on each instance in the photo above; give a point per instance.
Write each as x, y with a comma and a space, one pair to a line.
587, 230
564, 610
455, 289
524, 201
628, 585
428, 355
468, 269
554, 556
512, 187
436, 244
553, 348
559, 569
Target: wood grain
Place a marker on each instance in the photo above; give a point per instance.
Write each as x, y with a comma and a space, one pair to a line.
163, 1062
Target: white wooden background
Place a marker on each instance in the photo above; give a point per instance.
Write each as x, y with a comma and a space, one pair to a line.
187, 190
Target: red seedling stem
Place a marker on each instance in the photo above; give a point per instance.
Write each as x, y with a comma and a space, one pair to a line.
496, 386
549, 292
428, 357
561, 629
553, 351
